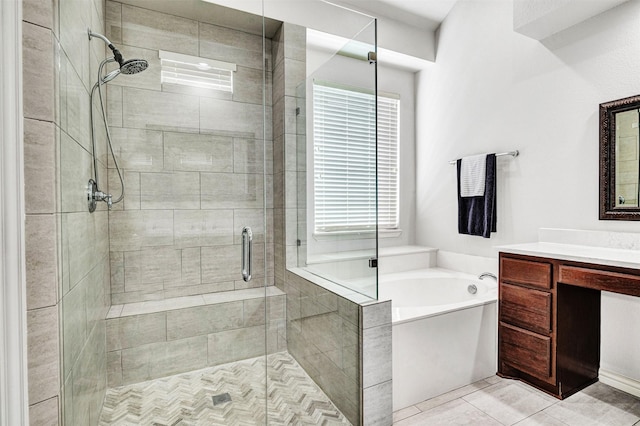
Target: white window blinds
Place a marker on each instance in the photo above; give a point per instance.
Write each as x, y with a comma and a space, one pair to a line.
345, 160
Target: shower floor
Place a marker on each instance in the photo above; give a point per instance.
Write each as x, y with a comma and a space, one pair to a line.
186, 399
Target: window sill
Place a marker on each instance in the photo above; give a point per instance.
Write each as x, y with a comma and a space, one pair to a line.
351, 235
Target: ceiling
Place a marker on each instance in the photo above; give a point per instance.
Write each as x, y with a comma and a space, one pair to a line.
425, 14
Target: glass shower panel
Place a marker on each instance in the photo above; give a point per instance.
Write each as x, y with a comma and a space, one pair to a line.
336, 159
154, 286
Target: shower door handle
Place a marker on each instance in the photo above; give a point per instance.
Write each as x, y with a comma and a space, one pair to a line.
247, 242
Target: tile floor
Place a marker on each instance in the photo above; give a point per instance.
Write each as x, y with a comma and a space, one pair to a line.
497, 401
186, 399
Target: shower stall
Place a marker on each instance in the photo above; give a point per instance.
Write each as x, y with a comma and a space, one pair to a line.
190, 289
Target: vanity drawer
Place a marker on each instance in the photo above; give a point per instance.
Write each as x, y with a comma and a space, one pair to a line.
526, 308
526, 351
535, 274
600, 280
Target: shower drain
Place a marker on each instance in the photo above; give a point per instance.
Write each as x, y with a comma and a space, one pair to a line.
221, 399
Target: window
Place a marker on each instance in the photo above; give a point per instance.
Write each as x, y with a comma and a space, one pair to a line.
345, 159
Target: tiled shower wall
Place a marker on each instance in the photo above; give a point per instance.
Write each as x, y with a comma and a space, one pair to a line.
193, 162
67, 253
40, 32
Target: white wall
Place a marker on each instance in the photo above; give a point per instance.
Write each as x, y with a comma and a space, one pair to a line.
352, 72
541, 18
326, 17
493, 90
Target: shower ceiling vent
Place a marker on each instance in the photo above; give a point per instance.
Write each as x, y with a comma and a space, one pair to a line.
196, 72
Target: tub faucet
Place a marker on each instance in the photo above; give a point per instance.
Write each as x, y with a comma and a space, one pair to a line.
487, 274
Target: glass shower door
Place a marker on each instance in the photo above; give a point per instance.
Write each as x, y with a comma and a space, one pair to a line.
154, 298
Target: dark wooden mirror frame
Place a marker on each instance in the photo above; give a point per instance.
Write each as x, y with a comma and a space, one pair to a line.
608, 112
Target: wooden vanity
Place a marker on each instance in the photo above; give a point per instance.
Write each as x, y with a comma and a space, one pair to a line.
549, 317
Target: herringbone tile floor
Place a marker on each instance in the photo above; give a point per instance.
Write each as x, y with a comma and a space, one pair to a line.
186, 399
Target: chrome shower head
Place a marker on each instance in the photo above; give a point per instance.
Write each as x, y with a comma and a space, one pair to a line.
133, 66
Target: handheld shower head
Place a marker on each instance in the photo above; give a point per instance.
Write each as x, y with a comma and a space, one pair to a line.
132, 66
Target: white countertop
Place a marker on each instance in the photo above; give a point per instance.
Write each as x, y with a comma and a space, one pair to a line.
625, 258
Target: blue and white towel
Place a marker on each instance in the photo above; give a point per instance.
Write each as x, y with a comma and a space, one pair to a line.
477, 214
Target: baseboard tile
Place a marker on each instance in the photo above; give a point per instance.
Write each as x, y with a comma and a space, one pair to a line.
620, 382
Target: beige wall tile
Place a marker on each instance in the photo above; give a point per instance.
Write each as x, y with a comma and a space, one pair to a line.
203, 320
74, 320
254, 312
84, 241
277, 46
248, 86
177, 190
203, 227
136, 296
150, 268
234, 345
154, 30
137, 149
376, 355
163, 359
44, 413
97, 293
376, 314
39, 12
131, 230
160, 110
97, 24
191, 267
40, 166
43, 354
225, 44
114, 106
41, 261
295, 41
136, 330
278, 87
76, 165
113, 21
131, 200
195, 152
114, 369
276, 308
88, 375
77, 112
227, 190
38, 77
75, 18
233, 118
295, 72
204, 289
377, 404
220, 263
117, 271
248, 155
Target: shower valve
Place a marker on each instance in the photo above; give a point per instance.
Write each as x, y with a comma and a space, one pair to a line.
101, 196
96, 195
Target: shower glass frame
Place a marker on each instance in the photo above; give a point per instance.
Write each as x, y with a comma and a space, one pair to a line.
346, 258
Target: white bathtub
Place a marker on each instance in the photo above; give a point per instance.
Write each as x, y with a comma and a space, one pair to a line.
443, 336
